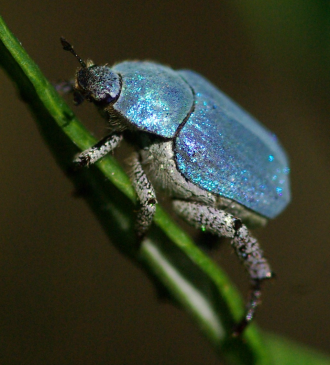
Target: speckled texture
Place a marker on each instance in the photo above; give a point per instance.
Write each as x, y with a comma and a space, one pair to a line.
224, 150
100, 82
154, 97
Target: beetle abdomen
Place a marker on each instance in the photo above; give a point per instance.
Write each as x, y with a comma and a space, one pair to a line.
222, 149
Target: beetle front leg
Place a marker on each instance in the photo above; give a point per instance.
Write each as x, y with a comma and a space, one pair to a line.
64, 87
246, 247
99, 150
146, 196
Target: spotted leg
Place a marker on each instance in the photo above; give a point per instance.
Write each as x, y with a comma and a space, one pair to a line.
246, 247
146, 196
99, 150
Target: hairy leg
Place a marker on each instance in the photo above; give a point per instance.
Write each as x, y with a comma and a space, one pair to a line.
146, 196
99, 150
246, 247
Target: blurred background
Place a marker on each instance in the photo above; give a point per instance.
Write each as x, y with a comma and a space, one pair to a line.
67, 296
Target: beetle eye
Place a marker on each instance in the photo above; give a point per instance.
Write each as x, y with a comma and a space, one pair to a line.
108, 99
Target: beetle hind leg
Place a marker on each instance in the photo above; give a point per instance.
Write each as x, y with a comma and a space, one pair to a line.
246, 247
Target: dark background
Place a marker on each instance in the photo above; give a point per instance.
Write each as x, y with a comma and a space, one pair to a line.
67, 296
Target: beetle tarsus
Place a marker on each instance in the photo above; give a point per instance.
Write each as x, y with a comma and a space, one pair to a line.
252, 305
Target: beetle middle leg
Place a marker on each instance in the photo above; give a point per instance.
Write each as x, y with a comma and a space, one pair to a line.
146, 196
246, 247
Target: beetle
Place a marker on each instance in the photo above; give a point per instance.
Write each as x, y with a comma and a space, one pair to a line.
222, 169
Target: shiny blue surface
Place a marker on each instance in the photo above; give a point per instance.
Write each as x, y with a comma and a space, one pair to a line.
224, 150
153, 97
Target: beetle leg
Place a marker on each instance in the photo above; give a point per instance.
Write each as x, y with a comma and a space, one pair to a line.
246, 247
64, 87
99, 150
146, 196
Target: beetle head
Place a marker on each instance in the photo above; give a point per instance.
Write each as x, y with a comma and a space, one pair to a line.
98, 84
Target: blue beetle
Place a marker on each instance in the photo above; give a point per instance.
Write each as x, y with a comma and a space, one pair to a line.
223, 170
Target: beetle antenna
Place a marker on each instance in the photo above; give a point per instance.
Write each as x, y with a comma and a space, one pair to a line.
67, 47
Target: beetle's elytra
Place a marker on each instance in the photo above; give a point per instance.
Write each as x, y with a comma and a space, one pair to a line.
223, 170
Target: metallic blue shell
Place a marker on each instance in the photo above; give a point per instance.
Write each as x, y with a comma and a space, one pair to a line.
222, 149
154, 98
